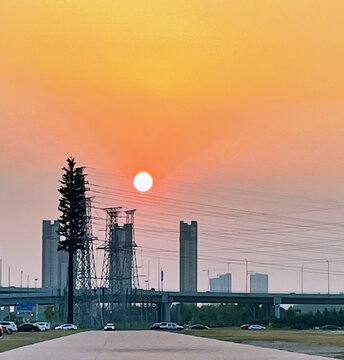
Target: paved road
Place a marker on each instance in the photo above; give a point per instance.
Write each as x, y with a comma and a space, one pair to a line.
145, 345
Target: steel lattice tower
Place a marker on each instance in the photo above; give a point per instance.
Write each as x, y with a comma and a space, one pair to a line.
85, 263
112, 215
119, 271
135, 274
87, 304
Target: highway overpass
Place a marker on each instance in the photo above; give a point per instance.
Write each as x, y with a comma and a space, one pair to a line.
12, 296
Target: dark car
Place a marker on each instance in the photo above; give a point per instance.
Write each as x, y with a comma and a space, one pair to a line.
329, 327
245, 326
198, 327
1, 331
28, 327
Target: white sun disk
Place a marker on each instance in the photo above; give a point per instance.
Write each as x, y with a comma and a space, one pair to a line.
143, 181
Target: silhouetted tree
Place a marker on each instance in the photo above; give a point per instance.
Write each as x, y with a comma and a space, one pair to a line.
72, 221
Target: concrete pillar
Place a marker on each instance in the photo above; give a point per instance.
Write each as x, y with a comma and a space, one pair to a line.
277, 303
167, 311
179, 313
163, 312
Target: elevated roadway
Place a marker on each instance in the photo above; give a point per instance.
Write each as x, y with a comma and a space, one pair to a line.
12, 296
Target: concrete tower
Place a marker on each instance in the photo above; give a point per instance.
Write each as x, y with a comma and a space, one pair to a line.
188, 257
121, 258
54, 263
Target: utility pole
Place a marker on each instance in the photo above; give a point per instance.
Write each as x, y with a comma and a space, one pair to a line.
159, 286
228, 287
148, 284
9, 276
302, 279
246, 267
328, 276
21, 278
162, 280
28, 281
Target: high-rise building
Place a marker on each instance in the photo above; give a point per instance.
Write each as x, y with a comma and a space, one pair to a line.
188, 257
259, 283
54, 263
222, 283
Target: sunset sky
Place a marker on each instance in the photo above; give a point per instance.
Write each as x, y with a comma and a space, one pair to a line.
238, 104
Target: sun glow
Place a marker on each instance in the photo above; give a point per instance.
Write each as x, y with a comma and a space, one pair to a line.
143, 181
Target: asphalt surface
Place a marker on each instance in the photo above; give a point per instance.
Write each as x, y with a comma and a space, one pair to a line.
144, 345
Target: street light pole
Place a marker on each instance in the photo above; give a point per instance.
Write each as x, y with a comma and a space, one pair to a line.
229, 290
246, 267
328, 276
302, 279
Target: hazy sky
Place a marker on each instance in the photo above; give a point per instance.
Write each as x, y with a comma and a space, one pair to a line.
223, 102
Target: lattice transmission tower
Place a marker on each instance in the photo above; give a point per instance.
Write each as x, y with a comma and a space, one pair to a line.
119, 271
87, 304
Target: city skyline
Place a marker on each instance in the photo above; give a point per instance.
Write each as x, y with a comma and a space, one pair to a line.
235, 110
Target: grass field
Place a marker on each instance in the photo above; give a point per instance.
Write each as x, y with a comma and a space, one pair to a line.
297, 336
8, 342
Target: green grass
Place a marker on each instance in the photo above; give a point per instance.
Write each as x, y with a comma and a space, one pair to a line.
299, 336
15, 340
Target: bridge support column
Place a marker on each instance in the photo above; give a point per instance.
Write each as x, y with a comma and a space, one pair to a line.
277, 303
167, 311
163, 312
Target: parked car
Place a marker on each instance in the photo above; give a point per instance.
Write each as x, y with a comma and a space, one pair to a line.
170, 326
198, 327
155, 326
256, 327
110, 327
43, 325
28, 327
329, 327
40, 327
1, 331
245, 326
9, 327
66, 327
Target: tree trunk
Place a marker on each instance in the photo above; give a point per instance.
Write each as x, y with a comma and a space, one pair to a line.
70, 287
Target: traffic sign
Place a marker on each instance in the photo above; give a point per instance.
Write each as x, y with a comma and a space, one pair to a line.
24, 306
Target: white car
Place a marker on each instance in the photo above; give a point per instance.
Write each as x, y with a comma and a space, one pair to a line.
43, 324
170, 326
40, 327
256, 327
66, 327
110, 327
9, 326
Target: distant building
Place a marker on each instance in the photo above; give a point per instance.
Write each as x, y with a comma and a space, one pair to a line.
222, 283
54, 263
188, 257
121, 258
259, 283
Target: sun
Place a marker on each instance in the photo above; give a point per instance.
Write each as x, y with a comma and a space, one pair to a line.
143, 181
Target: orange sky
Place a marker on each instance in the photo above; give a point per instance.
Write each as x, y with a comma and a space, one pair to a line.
234, 92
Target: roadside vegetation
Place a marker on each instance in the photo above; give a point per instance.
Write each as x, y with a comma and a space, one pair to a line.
15, 340
246, 336
227, 315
